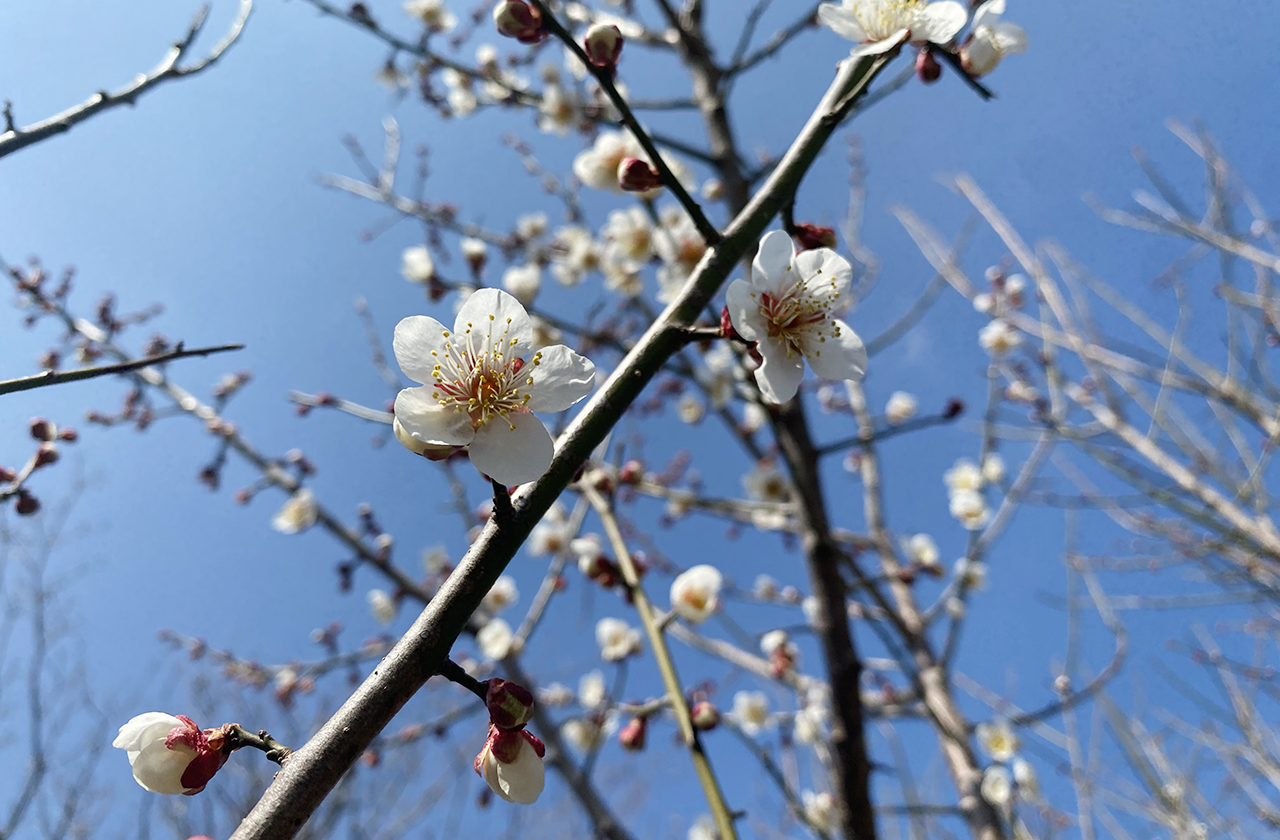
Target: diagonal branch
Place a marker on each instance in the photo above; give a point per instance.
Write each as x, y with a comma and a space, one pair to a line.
14, 138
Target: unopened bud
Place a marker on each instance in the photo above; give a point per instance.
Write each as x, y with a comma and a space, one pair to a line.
636, 175
42, 429
632, 472
928, 70
704, 716
603, 45
68, 434
7, 474
510, 705
633, 734
47, 454
27, 504
517, 19
809, 236
953, 409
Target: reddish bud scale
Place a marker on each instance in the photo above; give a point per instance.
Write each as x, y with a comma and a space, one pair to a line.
809, 236
43, 430
517, 19
704, 716
510, 704
603, 45
636, 175
928, 70
27, 504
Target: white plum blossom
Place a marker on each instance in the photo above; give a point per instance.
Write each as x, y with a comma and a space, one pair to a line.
963, 475
877, 26
996, 786
789, 309
765, 588
993, 468
992, 40
434, 559
382, 605
921, 550
592, 690
495, 639
532, 225
695, 593
297, 514
169, 754
523, 282
808, 724
503, 594
479, 391
969, 509
551, 534
999, 337
690, 409
777, 644
559, 110
462, 100
971, 574
575, 253
584, 734
416, 264
900, 408
629, 237
474, 250
617, 639
821, 812
997, 739
751, 711
703, 828
1025, 776
597, 167
521, 778
432, 13
681, 247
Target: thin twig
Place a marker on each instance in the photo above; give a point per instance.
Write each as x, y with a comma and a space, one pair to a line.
53, 377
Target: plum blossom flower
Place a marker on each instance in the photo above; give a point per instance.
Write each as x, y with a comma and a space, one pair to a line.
479, 391
598, 166
1025, 775
996, 787
495, 639
877, 26
788, 308
503, 594
999, 337
511, 765
900, 408
297, 514
416, 264
432, 13
695, 593
820, 810
523, 282
750, 711
970, 509
993, 468
703, 828
617, 639
992, 40
592, 690
921, 550
168, 753
997, 740
383, 606
551, 535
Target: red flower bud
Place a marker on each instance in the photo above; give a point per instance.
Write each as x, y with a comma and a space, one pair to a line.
603, 45
704, 716
27, 504
632, 735
809, 236
42, 429
517, 19
928, 70
631, 472
636, 175
47, 454
510, 705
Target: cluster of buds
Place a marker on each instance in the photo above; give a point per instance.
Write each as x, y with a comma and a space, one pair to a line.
12, 481
517, 19
511, 760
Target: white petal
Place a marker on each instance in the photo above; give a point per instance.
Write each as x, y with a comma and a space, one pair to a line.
773, 269
426, 420
988, 13
1010, 38
561, 377
492, 316
143, 729
159, 769
841, 21
822, 267
779, 377
512, 450
839, 358
522, 780
415, 338
744, 312
939, 22
894, 41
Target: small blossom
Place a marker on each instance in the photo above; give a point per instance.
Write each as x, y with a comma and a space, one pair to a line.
503, 594
432, 13
511, 765
617, 639
900, 408
751, 711
517, 19
996, 787
632, 736
821, 811
434, 559
416, 264
972, 574
964, 475
997, 740
591, 690
551, 534
969, 509
782, 652
922, 550
704, 716
636, 175
474, 251
993, 468
575, 254
585, 735
169, 754
999, 337
495, 639
531, 226
523, 282
992, 40
297, 514
703, 828
1025, 776
383, 606
690, 410
788, 309
695, 593
765, 588
878, 26
478, 389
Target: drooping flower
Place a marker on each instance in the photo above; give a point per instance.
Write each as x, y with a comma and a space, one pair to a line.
992, 40
877, 26
617, 639
511, 765
297, 514
695, 593
168, 753
788, 308
479, 391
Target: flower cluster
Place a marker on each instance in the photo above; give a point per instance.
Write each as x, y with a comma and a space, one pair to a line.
999, 741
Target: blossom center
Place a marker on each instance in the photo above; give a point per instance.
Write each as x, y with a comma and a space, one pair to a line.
481, 375
881, 18
799, 317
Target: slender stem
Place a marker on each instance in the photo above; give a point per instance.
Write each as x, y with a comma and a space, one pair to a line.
453, 672
51, 377
239, 737
666, 666
604, 77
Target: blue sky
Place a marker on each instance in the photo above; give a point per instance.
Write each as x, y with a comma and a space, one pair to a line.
205, 198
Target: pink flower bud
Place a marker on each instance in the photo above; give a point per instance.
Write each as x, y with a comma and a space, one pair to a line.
928, 70
43, 430
517, 19
704, 716
636, 175
170, 754
631, 472
510, 705
603, 45
633, 734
